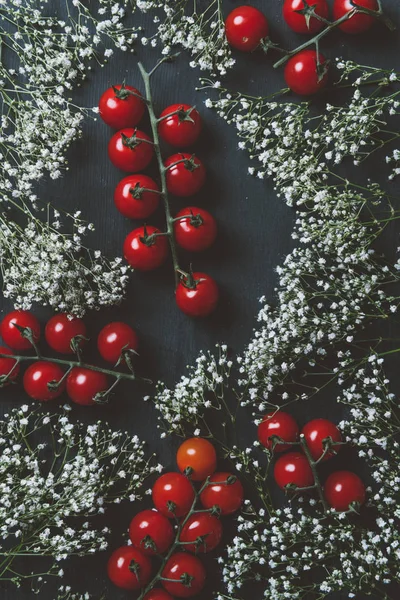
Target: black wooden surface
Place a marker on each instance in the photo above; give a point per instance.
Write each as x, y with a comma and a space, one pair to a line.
254, 236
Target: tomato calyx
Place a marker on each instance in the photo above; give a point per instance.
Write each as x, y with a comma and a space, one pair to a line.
188, 163
133, 141
171, 506
322, 68
309, 13
134, 568
150, 239
122, 93
27, 333
188, 280
148, 543
137, 191
182, 114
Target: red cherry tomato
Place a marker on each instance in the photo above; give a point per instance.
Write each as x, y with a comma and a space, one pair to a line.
173, 495
301, 73
197, 296
227, 496
298, 22
130, 150
128, 568
182, 128
114, 338
189, 573
158, 594
83, 385
359, 22
11, 334
199, 455
6, 364
60, 330
118, 108
197, 231
315, 432
151, 532
204, 530
245, 28
279, 424
145, 251
37, 378
185, 174
342, 488
133, 196
293, 468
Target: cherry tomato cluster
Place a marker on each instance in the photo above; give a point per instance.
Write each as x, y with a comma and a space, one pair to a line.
45, 380
279, 431
137, 196
194, 531
306, 72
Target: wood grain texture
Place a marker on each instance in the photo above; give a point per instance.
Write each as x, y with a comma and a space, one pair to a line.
254, 236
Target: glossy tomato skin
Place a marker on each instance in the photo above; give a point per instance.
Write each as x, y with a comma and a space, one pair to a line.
227, 496
60, 330
182, 128
132, 201
119, 109
151, 532
280, 424
37, 377
121, 575
204, 526
175, 489
6, 364
297, 22
359, 22
301, 73
315, 432
199, 455
185, 178
83, 385
199, 300
145, 256
179, 564
293, 468
245, 27
127, 156
158, 594
197, 231
342, 488
114, 338
12, 336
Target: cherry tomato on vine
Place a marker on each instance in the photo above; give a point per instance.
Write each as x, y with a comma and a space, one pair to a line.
225, 491
134, 197
279, 424
83, 385
151, 532
60, 330
199, 455
301, 73
299, 22
293, 468
189, 573
197, 295
315, 432
180, 125
197, 231
158, 594
11, 334
114, 338
144, 249
359, 22
6, 364
128, 568
37, 378
185, 174
204, 530
173, 495
245, 28
118, 108
130, 150
342, 488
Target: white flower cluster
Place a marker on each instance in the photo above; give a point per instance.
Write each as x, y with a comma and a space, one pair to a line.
46, 57
198, 30
55, 476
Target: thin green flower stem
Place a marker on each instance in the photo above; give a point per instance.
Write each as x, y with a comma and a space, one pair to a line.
162, 170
